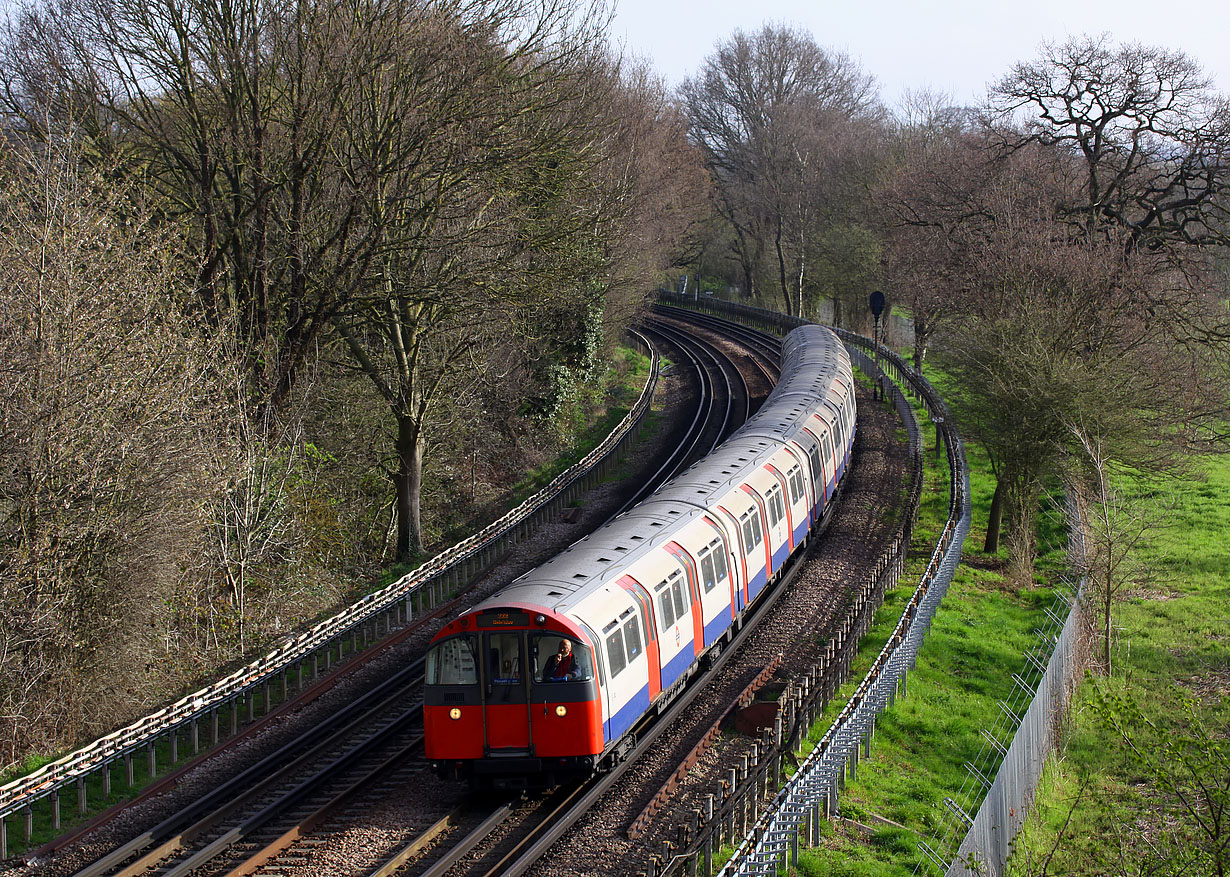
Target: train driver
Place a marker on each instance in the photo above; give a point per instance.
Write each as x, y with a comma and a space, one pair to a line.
562, 665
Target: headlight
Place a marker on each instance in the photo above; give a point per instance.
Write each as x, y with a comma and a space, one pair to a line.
561, 710
454, 713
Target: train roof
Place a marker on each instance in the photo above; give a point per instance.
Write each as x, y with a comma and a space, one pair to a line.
812, 358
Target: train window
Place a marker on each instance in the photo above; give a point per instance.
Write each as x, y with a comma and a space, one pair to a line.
452, 662
773, 499
665, 605
707, 575
719, 562
813, 454
679, 589
752, 536
504, 658
795, 478
615, 650
632, 635
545, 646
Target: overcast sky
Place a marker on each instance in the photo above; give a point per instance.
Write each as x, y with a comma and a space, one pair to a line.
954, 46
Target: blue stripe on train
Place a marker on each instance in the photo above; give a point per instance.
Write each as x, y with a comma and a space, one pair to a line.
800, 532
717, 626
780, 555
679, 664
756, 585
627, 715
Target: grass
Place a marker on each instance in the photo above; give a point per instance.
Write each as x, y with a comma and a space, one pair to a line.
922, 743
1097, 807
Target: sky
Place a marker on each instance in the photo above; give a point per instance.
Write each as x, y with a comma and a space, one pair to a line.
956, 47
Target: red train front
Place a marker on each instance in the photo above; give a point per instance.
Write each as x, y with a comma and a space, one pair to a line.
501, 707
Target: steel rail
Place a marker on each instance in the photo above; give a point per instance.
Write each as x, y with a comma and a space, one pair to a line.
410, 851
191, 820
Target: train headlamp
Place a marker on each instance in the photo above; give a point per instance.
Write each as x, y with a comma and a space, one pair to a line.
540, 620
561, 710
455, 713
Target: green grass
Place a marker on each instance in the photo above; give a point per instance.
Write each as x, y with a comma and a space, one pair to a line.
921, 744
1095, 806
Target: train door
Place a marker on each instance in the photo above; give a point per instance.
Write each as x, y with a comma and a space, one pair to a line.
505, 691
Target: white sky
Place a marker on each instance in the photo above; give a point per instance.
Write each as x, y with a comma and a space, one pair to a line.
953, 46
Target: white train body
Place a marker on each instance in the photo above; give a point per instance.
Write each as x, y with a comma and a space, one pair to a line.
646, 597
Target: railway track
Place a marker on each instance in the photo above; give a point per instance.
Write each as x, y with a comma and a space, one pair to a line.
267, 816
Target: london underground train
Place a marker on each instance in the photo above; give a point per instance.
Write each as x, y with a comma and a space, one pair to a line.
550, 676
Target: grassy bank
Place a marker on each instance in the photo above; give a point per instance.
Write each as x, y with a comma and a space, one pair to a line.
922, 743
1100, 808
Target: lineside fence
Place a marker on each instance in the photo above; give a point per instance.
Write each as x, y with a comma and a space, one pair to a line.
748, 811
218, 711
1035, 709
766, 828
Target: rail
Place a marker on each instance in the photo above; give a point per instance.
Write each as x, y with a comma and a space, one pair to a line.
765, 838
427, 585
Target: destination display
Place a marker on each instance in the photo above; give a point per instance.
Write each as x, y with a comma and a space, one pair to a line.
503, 618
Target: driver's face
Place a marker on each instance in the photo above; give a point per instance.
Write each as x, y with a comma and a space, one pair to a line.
565, 647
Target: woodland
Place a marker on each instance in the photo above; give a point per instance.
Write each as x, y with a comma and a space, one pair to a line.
292, 292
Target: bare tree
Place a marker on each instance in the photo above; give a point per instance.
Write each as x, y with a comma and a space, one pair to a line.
105, 415
771, 111
1147, 134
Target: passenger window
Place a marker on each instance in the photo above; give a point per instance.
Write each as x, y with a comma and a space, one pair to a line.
719, 562
665, 606
757, 527
681, 595
795, 479
632, 636
749, 534
707, 573
777, 511
615, 649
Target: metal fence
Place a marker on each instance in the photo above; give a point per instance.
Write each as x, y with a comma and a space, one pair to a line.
765, 827
1015, 747
219, 708
1048, 684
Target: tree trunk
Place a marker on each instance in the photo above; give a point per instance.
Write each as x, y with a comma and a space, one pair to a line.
991, 546
408, 480
781, 270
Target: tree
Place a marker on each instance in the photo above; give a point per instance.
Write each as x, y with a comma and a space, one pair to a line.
928, 191
1147, 135
1187, 768
106, 415
778, 119
1056, 330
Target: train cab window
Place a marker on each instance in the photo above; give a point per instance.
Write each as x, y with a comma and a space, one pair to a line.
452, 662
549, 665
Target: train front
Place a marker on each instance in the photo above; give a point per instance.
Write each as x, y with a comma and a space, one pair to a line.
512, 699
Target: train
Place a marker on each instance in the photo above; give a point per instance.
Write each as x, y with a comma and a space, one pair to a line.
552, 676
